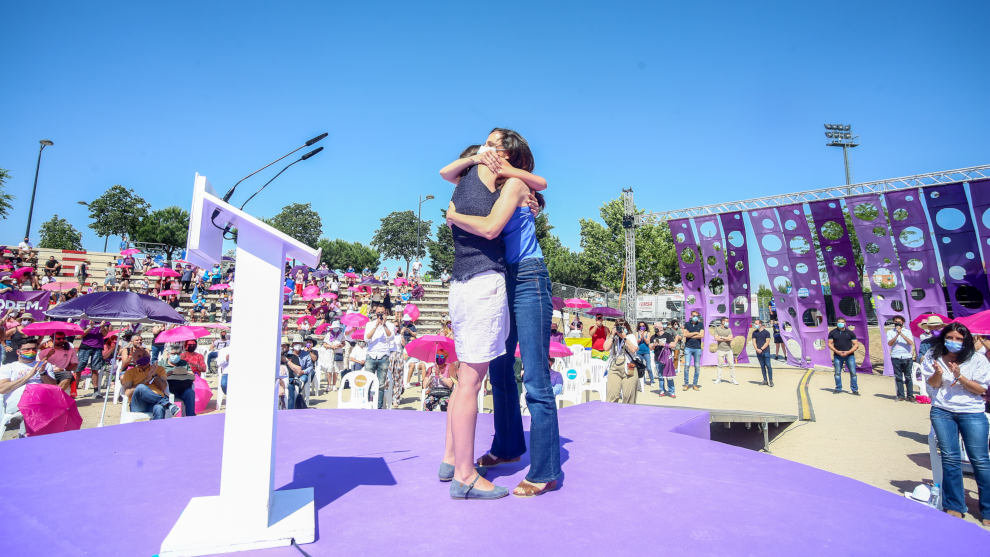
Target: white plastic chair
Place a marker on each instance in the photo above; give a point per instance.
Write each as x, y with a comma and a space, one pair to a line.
362, 385
593, 380
573, 388
127, 416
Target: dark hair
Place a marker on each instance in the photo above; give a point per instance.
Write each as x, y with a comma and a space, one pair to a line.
968, 349
519, 154
540, 200
471, 151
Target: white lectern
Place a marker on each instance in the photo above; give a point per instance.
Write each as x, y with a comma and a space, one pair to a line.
248, 513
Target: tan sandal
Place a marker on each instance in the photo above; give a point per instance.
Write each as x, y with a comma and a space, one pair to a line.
488, 460
527, 489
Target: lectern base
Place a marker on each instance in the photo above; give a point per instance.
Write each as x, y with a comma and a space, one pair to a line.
208, 526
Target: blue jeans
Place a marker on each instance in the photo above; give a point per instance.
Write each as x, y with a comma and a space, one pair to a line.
156, 350
187, 395
90, 357
850, 362
527, 285
223, 383
667, 385
378, 366
145, 400
645, 356
902, 376
302, 379
765, 368
692, 355
974, 429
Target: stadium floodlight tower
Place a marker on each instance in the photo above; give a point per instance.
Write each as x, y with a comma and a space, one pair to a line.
840, 135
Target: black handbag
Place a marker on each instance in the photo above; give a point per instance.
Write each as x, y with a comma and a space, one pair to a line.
638, 362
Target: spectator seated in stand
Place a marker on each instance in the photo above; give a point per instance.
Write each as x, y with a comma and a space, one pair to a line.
16, 375
438, 383
146, 386
556, 379
180, 377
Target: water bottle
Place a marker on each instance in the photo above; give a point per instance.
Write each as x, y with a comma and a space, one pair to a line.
935, 500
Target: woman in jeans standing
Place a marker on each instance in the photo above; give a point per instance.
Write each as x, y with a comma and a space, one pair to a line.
957, 378
531, 311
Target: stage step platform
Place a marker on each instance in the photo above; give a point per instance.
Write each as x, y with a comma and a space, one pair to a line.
639, 480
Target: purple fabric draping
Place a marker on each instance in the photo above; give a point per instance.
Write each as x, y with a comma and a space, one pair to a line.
844, 284
948, 210
810, 301
713, 262
979, 191
916, 254
737, 285
880, 266
691, 274
775, 257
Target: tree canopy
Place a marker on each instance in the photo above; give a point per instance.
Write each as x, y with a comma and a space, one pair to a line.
339, 254
5, 198
300, 221
118, 211
396, 238
57, 233
442, 249
164, 230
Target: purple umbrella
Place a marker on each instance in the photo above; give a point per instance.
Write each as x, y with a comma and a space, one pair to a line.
558, 303
303, 268
117, 306
605, 311
371, 282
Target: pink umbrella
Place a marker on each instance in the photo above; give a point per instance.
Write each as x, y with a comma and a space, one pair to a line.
179, 334
60, 286
164, 293
124, 266
358, 334
350, 275
6, 267
916, 330
286, 290
21, 272
130, 251
411, 311
978, 323
48, 409
52, 327
181, 262
576, 303
162, 272
425, 348
354, 319
286, 317
312, 291
310, 318
557, 350
203, 394
352, 288
220, 286
400, 281
321, 329
216, 326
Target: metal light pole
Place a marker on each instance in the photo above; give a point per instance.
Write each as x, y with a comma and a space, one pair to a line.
419, 218
840, 135
105, 238
44, 143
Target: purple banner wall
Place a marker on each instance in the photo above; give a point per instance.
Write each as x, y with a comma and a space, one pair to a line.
880, 266
916, 254
737, 268
775, 258
713, 262
35, 302
809, 319
948, 210
844, 284
979, 191
690, 266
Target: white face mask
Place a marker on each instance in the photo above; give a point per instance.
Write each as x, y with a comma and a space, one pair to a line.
485, 149
297, 347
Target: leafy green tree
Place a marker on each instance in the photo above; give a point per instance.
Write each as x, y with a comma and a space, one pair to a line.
442, 249
300, 221
118, 211
57, 233
396, 238
164, 230
339, 254
5, 198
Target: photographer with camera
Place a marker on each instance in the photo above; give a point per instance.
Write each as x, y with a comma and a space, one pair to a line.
901, 345
623, 378
299, 363
378, 334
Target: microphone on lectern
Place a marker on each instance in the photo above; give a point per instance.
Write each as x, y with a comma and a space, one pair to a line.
300, 159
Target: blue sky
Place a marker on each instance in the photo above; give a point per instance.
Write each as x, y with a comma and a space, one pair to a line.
688, 103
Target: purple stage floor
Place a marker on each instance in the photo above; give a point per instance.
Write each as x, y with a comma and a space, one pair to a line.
639, 480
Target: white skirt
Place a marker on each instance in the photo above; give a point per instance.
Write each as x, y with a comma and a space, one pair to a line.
479, 315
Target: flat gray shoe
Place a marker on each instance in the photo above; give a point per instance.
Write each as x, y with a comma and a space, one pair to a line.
459, 490
446, 472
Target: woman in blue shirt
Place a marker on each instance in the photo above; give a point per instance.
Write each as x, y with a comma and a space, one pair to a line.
528, 288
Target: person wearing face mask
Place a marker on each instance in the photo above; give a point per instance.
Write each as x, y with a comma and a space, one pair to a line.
957, 379
15, 336
63, 361
843, 344
333, 341
643, 350
555, 334
599, 332
300, 367
378, 334
195, 360
723, 351
180, 378
901, 346
146, 386
16, 375
438, 383
693, 332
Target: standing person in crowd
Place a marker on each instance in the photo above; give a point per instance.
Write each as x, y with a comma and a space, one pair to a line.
693, 333
959, 378
186, 278
300, 367
62, 358
660, 343
674, 329
931, 327
901, 345
622, 380
843, 344
110, 276
378, 334
778, 340
90, 354
599, 332
17, 374
416, 266
357, 356
643, 350
180, 378
723, 351
761, 344
82, 271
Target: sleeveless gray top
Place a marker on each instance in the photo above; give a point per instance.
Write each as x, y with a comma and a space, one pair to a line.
473, 254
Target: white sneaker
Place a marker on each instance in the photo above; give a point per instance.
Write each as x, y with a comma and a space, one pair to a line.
717, 380
734, 382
